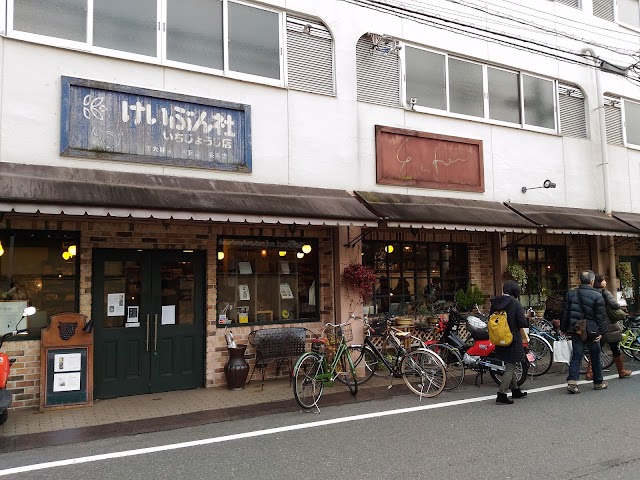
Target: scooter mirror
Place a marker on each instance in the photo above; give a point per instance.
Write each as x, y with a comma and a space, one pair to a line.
29, 311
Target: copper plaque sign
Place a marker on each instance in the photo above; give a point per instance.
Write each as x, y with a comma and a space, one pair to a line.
409, 158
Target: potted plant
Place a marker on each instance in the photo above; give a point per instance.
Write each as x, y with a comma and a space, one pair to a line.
625, 275
469, 298
360, 279
517, 273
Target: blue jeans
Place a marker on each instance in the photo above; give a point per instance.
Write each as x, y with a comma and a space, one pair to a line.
576, 359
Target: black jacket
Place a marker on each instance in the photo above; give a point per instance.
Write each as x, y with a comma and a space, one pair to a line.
515, 316
593, 305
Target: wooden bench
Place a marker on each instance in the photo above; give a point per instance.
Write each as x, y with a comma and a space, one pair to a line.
277, 345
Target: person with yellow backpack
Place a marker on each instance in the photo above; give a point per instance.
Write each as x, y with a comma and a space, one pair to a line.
510, 352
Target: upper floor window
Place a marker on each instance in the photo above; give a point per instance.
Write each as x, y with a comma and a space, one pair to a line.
439, 81
209, 35
629, 12
632, 122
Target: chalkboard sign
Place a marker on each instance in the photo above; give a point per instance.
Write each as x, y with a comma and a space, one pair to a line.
66, 363
66, 376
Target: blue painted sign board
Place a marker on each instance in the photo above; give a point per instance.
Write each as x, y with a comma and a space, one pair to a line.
108, 121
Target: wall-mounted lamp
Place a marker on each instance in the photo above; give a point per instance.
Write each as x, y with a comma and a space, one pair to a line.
282, 253
70, 252
299, 254
220, 255
388, 249
546, 184
88, 326
306, 248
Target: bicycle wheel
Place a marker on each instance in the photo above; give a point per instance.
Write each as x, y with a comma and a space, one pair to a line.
365, 362
635, 346
424, 373
344, 373
389, 351
606, 358
453, 361
521, 374
307, 389
543, 353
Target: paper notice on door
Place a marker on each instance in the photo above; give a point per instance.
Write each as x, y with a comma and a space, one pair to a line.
132, 314
67, 362
66, 382
168, 315
285, 291
243, 293
115, 304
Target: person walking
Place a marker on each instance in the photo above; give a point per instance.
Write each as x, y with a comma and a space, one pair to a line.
514, 352
614, 335
584, 302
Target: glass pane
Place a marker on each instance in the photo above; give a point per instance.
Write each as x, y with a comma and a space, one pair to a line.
120, 277
254, 41
465, 88
538, 102
177, 293
194, 32
629, 12
632, 122
55, 18
426, 78
126, 26
504, 100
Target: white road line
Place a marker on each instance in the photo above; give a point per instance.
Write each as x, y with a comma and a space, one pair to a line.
268, 431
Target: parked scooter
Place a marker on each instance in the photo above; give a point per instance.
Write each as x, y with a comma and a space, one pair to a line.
6, 397
480, 356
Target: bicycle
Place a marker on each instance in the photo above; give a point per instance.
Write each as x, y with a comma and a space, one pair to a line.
630, 343
328, 359
423, 371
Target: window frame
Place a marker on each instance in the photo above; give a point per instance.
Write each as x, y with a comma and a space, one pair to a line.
616, 15
625, 141
485, 89
161, 43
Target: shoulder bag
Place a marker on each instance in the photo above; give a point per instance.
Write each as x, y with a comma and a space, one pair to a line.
587, 328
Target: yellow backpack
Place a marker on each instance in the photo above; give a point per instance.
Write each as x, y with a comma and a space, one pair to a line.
499, 333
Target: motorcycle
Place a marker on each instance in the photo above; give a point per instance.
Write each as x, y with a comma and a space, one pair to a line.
480, 355
6, 397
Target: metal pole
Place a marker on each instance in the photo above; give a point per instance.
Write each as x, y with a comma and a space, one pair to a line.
604, 152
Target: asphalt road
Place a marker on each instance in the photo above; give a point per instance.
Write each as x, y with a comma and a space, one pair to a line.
548, 435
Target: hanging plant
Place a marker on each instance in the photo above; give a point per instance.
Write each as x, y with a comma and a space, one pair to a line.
518, 273
359, 278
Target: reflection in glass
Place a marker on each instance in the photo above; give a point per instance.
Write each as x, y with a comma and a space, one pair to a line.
178, 292
254, 41
65, 19
194, 32
120, 276
126, 26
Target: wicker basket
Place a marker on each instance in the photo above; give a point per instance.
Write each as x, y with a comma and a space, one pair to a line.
334, 336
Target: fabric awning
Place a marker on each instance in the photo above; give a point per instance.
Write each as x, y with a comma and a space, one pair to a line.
632, 219
414, 211
567, 221
62, 190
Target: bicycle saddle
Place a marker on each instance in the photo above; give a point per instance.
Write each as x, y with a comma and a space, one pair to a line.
402, 335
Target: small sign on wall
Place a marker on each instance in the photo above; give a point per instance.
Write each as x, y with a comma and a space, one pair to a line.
103, 120
409, 158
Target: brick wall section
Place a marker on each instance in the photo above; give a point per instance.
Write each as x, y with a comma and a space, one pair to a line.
481, 266
157, 234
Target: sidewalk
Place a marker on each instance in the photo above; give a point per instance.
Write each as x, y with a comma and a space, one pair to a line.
28, 428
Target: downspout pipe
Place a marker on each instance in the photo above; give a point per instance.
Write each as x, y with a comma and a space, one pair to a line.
604, 152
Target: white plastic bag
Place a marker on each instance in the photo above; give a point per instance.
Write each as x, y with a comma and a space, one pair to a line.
562, 350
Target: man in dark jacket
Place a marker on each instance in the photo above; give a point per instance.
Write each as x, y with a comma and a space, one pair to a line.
584, 301
514, 352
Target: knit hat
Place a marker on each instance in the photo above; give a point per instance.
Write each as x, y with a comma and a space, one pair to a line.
598, 280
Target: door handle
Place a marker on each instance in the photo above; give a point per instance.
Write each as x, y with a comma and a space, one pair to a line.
155, 340
148, 332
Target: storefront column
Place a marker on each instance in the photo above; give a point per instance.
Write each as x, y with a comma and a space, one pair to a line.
347, 301
500, 256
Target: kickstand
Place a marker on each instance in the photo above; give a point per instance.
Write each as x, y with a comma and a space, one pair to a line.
390, 383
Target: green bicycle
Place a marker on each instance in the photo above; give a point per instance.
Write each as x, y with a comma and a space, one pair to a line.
630, 343
328, 360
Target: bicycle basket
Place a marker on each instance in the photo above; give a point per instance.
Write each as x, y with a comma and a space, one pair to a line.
335, 334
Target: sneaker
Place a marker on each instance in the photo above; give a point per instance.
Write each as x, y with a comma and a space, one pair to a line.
573, 389
600, 386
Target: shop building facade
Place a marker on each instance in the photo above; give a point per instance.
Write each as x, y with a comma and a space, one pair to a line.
227, 186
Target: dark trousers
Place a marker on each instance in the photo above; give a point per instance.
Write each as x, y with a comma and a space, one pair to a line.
576, 359
509, 380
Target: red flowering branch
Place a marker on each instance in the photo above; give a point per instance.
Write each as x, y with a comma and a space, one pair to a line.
359, 278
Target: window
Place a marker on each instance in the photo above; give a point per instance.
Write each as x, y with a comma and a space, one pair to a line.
408, 272
33, 270
539, 102
441, 82
613, 119
572, 109
267, 281
629, 12
177, 32
547, 271
632, 122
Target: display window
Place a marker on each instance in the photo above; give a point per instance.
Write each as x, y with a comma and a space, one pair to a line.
267, 280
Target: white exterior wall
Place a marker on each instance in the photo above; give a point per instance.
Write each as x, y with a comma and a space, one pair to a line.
316, 140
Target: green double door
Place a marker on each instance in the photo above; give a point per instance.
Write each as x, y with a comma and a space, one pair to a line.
148, 312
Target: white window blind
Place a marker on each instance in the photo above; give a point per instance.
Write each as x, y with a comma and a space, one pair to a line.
604, 9
573, 121
613, 120
378, 74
